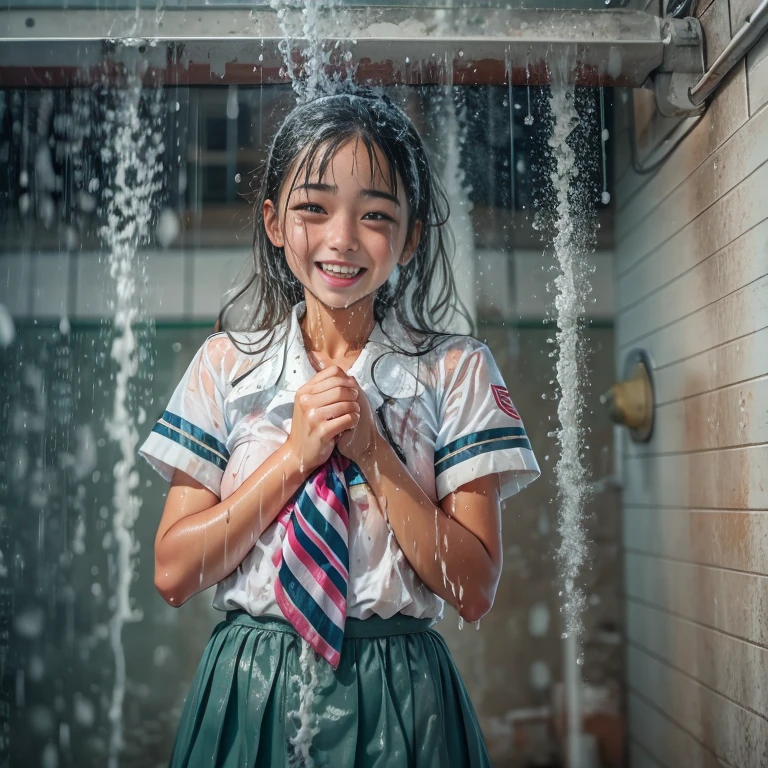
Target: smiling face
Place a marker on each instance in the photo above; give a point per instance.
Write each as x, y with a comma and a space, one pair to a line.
348, 219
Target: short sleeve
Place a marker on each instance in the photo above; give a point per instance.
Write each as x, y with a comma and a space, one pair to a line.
480, 430
191, 434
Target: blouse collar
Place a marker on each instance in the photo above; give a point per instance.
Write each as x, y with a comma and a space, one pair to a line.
396, 374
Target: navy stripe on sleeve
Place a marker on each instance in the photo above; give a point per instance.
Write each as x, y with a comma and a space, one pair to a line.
192, 438
478, 443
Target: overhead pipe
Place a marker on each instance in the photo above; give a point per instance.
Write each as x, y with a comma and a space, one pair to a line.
751, 31
388, 46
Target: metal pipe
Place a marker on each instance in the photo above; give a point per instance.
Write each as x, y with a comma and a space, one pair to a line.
387, 45
751, 31
572, 687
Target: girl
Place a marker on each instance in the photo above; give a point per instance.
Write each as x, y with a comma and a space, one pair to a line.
337, 468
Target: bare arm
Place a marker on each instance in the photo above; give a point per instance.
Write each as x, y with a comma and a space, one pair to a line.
455, 547
200, 539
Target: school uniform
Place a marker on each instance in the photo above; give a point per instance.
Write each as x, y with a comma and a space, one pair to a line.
396, 697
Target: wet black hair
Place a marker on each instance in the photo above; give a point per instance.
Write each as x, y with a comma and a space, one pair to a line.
306, 143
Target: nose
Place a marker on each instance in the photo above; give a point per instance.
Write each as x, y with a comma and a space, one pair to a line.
342, 233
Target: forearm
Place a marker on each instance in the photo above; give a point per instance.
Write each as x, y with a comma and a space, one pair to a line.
202, 548
449, 559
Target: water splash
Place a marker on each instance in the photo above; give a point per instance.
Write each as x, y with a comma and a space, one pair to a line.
528, 120
311, 78
571, 285
133, 153
307, 729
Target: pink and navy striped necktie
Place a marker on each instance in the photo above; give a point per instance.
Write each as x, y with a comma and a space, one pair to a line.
313, 562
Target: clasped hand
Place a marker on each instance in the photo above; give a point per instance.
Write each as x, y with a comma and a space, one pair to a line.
332, 411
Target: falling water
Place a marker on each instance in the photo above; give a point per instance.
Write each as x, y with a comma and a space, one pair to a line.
452, 122
133, 152
309, 81
571, 285
306, 723
571, 243
311, 78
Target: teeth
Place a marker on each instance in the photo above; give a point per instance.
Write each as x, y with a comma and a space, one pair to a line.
345, 271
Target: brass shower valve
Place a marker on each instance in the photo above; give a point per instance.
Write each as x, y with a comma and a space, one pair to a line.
631, 401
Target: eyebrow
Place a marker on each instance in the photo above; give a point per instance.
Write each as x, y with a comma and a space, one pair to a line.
333, 189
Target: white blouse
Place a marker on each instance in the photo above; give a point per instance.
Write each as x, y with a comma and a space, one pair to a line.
449, 411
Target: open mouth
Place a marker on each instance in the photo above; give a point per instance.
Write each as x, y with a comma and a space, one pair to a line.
340, 277
336, 272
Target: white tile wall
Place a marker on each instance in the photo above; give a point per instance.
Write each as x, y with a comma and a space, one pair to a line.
50, 278
692, 289
494, 271
214, 273
189, 285
15, 282
757, 74
533, 273
166, 284
180, 285
94, 289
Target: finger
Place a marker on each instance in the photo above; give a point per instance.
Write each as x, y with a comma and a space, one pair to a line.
335, 395
334, 411
315, 383
320, 376
331, 370
307, 392
335, 427
334, 383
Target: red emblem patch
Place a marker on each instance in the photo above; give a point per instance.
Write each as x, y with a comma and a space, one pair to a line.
504, 401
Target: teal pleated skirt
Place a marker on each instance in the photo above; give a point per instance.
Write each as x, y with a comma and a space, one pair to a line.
262, 699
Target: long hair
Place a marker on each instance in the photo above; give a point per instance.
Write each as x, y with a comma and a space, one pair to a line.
423, 292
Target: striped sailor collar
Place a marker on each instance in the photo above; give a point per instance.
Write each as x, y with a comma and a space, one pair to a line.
289, 367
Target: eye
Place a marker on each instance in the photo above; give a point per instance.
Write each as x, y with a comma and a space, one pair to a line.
309, 208
379, 216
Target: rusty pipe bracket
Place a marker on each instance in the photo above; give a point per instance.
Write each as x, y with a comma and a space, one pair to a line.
631, 401
682, 67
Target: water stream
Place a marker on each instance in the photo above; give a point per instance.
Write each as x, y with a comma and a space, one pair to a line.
571, 289
573, 241
133, 151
